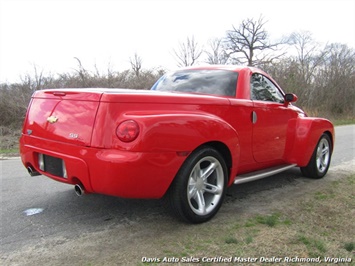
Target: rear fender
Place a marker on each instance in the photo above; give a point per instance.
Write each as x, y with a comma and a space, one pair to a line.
165, 131
303, 136
183, 133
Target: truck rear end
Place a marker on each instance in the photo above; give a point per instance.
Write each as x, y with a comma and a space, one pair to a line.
58, 126
80, 137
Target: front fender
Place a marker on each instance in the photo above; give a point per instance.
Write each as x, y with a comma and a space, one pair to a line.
303, 136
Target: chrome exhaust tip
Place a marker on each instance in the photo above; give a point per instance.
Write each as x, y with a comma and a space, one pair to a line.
32, 172
79, 190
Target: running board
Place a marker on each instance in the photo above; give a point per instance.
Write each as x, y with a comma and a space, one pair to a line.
239, 179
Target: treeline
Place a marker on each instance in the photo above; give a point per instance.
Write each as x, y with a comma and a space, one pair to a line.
324, 81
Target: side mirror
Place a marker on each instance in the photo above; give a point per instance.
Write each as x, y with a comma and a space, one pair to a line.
290, 98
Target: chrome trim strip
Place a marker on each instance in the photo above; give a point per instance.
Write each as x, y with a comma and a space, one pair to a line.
240, 179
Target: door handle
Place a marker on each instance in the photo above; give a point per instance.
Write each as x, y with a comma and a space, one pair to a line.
254, 117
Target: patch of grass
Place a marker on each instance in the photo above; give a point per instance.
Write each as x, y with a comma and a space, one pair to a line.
307, 206
350, 246
323, 195
248, 239
9, 151
351, 180
335, 183
169, 253
304, 240
250, 223
312, 244
272, 220
231, 240
343, 121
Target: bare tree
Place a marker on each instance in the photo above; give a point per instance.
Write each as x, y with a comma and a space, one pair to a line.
216, 54
38, 77
250, 43
309, 56
188, 53
83, 73
136, 64
336, 81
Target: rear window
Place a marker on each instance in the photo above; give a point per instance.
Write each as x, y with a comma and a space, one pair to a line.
204, 81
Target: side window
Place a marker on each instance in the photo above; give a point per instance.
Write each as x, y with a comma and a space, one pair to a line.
262, 89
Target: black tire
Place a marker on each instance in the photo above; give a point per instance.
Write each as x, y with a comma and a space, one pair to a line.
198, 189
319, 163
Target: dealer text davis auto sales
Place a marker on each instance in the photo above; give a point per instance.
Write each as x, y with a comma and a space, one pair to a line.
220, 259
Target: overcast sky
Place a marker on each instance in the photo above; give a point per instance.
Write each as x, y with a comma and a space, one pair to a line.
50, 33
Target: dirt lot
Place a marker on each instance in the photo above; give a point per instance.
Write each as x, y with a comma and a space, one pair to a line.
303, 220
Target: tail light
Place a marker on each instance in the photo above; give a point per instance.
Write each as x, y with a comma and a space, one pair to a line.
127, 131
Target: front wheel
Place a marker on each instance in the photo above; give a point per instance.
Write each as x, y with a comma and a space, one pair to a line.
320, 160
199, 187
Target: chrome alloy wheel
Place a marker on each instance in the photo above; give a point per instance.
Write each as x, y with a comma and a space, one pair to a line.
205, 185
323, 155
318, 164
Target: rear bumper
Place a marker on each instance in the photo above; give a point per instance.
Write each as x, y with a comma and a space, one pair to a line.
106, 171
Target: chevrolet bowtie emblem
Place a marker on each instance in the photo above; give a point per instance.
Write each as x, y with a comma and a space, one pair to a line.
52, 119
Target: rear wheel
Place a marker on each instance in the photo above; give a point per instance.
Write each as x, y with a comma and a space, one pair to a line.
199, 187
320, 160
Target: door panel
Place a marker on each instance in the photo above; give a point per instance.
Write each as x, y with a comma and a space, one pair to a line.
269, 130
240, 120
270, 118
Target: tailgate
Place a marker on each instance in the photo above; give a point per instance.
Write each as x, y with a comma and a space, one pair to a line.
63, 115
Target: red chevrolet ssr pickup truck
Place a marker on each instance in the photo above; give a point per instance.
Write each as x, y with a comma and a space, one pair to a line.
196, 132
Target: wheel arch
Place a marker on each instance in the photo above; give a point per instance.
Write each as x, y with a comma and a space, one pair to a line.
331, 136
223, 150
228, 156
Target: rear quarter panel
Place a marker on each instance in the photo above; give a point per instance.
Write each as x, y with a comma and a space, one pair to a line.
163, 130
177, 120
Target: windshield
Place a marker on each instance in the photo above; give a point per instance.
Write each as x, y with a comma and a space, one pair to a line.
205, 81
